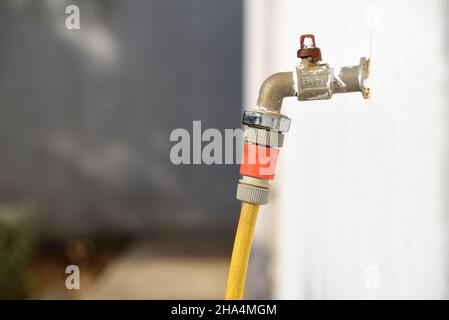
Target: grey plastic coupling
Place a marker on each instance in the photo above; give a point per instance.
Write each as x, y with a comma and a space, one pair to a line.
253, 190
263, 137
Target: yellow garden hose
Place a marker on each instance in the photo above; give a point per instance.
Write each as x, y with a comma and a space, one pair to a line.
241, 251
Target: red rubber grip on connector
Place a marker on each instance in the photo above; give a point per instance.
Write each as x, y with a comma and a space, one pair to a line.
259, 161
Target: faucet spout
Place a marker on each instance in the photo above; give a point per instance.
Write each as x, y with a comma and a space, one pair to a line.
274, 89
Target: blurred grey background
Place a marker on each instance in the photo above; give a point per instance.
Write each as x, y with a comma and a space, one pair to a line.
86, 115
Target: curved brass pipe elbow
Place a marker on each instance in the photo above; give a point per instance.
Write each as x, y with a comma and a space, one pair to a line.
274, 89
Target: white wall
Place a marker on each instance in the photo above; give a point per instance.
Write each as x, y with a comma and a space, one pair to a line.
360, 208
